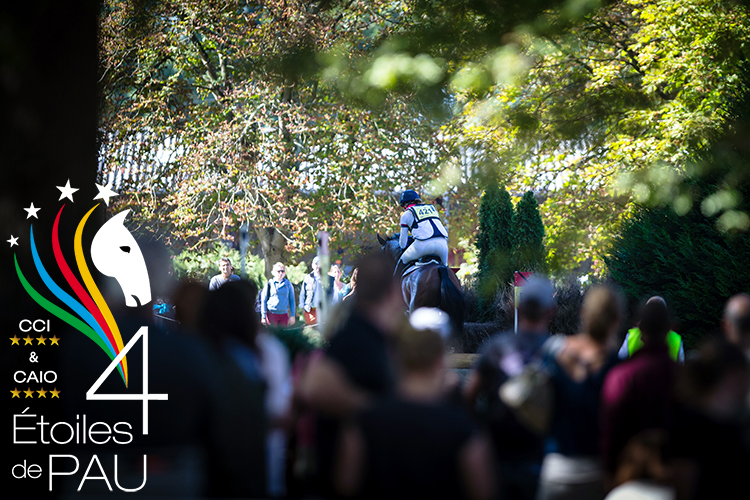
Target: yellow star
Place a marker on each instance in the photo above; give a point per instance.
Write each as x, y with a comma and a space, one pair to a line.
14, 340
29, 393
40, 340
28, 340
55, 393
16, 393
53, 340
42, 393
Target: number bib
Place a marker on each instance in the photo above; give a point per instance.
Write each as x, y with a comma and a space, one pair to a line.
424, 212
427, 223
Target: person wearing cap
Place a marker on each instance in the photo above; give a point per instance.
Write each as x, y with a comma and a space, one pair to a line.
633, 340
518, 451
424, 224
312, 293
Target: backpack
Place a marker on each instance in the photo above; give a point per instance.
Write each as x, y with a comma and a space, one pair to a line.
530, 394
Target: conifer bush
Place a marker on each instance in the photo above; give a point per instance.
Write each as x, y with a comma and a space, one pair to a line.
529, 253
494, 241
494, 244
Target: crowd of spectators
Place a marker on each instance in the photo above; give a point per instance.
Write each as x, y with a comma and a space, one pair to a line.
378, 413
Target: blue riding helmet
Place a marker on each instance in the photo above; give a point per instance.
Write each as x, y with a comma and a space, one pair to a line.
408, 196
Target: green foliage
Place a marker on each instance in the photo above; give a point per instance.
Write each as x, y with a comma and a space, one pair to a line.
529, 253
219, 116
203, 265
306, 116
296, 273
685, 259
695, 254
605, 110
494, 241
297, 339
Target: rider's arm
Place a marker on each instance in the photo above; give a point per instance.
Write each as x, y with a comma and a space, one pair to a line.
407, 219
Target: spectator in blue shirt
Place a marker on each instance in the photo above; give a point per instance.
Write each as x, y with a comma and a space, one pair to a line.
277, 305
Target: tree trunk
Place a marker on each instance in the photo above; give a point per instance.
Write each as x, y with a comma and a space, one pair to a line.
273, 245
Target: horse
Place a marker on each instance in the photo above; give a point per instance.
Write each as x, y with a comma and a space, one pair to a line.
429, 285
115, 253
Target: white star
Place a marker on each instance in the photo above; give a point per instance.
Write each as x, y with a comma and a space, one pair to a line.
67, 191
32, 211
105, 193
13, 241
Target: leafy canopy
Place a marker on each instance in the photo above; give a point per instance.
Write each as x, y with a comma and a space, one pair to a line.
217, 113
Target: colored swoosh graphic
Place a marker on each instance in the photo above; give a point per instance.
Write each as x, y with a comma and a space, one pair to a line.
94, 290
69, 301
62, 314
74, 283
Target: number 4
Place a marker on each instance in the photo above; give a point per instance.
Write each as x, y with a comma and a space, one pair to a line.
145, 397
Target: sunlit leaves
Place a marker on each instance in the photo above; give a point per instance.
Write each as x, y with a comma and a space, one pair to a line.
613, 108
261, 137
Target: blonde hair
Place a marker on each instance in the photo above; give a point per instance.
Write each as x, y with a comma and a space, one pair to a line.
601, 312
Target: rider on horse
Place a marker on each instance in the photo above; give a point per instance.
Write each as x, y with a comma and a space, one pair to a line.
428, 231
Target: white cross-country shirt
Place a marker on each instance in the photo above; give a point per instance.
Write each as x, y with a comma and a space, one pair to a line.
424, 223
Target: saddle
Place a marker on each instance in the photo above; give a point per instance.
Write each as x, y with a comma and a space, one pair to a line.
413, 265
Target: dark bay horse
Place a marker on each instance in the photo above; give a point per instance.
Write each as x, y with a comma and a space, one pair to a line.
429, 285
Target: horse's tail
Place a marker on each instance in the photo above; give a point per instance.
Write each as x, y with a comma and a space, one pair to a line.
451, 300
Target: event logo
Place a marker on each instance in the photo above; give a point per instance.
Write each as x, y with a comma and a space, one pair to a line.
114, 253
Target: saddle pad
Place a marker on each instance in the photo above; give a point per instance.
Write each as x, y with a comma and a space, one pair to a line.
414, 265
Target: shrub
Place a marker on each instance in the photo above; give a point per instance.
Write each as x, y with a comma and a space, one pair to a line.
529, 253
297, 339
501, 314
568, 301
202, 265
494, 239
494, 245
686, 260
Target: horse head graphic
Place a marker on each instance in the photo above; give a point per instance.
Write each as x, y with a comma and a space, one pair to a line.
115, 253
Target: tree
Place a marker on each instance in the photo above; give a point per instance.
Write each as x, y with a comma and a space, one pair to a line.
609, 109
494, 241
210, 118
686, 259
590, 107
528, 236
593, 108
